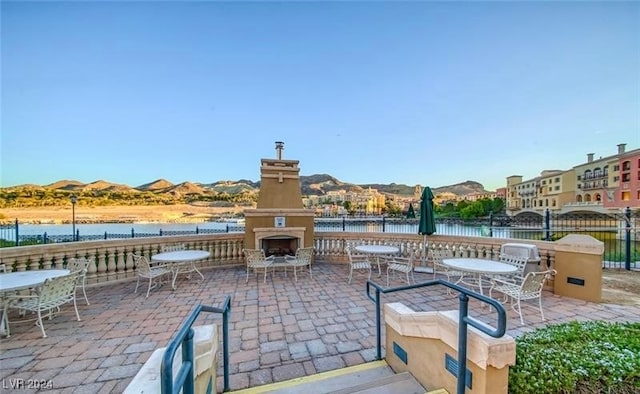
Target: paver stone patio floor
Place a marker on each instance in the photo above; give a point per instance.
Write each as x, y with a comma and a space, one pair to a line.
279, 330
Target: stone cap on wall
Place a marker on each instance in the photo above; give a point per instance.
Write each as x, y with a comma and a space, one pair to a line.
579, 243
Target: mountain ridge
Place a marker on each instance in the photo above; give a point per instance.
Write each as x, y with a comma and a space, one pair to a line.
317, 184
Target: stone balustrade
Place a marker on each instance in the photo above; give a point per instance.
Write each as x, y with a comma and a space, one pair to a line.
111, 263
110, 256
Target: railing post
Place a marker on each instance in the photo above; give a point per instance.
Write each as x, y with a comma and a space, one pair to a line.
378, 328
105, 235
383, 223
547, 224
197, 230
627, 240
77, 235
188, 354
344, 223
17, 234
491, 223
225, 348
132, 233
462, 343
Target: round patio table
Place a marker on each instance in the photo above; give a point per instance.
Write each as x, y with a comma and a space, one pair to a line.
377, 251
477, 268
20, 280
181, 261
11, 282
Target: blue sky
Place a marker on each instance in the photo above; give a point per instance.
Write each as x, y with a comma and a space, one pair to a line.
430, 93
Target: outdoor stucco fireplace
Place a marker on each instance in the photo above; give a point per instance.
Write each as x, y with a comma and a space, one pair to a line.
279, 224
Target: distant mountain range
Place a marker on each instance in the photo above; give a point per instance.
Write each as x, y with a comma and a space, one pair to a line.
317, 185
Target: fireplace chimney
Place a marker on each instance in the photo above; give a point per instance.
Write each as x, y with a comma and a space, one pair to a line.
279, 148
589, 157
279, 224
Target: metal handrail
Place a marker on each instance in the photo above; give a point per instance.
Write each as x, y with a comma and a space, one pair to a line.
464, 319
185, 377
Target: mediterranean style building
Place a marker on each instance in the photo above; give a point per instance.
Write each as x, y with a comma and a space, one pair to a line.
602, 185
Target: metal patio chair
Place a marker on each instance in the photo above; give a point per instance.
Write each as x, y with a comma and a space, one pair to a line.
302, 258
529, 288
519, 262
437, 255
256, 259
54, 293
172, 248
81, 266
402, 265
145, 270
357, 262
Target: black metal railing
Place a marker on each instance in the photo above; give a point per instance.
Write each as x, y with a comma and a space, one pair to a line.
185, 381
464, 320
618, 231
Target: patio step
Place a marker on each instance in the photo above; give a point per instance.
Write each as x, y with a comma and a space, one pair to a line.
370, 378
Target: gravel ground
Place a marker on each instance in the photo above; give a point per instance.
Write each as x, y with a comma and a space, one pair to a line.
621, 286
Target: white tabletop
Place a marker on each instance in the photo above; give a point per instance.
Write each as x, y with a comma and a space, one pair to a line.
481, 266
19, 280
377, 249
180, 256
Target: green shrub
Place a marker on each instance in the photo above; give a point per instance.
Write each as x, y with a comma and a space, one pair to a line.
578, 357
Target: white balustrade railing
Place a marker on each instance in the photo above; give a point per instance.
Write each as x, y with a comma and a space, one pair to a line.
111, 263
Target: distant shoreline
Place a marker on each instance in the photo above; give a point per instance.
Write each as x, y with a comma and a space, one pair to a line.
179, 213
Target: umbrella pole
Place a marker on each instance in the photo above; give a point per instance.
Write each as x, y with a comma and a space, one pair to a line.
423, 267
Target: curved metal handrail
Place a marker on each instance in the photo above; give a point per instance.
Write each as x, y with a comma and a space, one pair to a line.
464, 319
185, 377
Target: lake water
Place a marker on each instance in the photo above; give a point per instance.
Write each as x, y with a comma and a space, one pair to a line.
116, 228
371, 226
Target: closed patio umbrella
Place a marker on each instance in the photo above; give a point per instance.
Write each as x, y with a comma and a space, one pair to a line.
427, 221
427, 224
411, 213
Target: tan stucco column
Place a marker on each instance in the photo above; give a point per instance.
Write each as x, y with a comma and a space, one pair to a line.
579, 267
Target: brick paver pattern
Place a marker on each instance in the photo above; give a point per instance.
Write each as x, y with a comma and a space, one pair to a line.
279, 330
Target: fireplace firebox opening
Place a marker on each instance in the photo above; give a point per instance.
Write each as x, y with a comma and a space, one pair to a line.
279, 246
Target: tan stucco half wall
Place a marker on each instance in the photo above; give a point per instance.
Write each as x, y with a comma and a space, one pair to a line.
428, 336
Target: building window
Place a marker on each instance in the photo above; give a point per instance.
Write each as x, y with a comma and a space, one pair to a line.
626, 177
616, 178
557, 188
626, 166
626, 195
558, 180
616, 167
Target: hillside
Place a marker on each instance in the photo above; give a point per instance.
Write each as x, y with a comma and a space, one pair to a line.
161, 191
